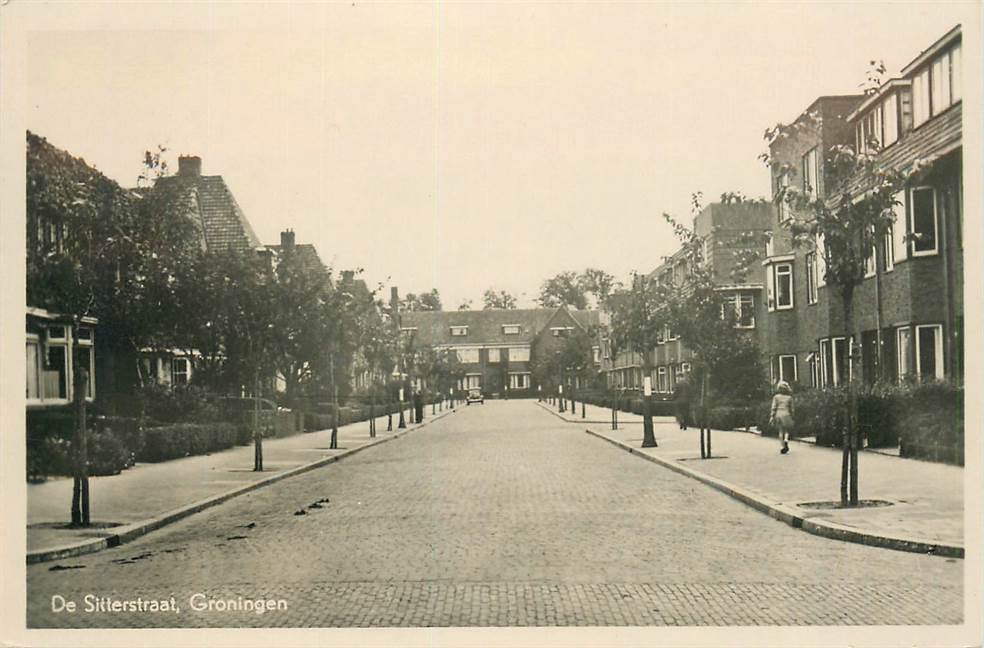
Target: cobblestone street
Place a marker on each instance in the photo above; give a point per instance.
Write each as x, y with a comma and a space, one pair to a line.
500, 514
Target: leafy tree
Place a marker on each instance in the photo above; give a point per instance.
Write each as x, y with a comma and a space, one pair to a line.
428, 301
498, 300
378, 345
589, 288
845, 225
564, 289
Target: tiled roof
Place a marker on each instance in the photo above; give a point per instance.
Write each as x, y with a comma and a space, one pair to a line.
485, 326
305, 251
223, 222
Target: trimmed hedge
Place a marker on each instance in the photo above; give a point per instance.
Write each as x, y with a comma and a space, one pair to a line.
187, 439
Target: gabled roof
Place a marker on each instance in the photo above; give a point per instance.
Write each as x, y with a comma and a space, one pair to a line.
486, 326
306, 252
213, 205
942, 43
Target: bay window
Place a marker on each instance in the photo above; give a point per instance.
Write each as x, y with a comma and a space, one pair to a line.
780, 286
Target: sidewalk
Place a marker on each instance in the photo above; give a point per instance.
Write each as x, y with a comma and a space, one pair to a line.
147, 496
927, 505
595, 414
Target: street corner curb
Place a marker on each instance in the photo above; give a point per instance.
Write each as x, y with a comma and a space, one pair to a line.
790, 515
132, 531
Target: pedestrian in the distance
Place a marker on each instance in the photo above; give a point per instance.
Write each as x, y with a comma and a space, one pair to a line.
681, 401
781, 415
418, 406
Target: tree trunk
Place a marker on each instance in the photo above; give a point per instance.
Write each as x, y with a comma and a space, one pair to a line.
257, 431
704, 424
372, 413
849, 449
80, 485
334, 404
648, 437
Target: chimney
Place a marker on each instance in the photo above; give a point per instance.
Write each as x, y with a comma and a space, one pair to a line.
395, 300
189, 166
348, 276
287, 239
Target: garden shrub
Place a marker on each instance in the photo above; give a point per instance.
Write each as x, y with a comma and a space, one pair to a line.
187, 439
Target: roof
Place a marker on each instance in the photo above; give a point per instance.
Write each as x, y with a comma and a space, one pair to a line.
942, 43
875, 97
305, 251
935, 138
486, 326
211, 202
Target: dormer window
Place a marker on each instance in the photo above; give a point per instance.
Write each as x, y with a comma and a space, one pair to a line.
561, 331
937, 86
510, 329
459, 331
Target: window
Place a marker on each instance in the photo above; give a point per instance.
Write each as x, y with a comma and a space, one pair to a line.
769, 249
661, 379
903, 337
458, 331
920, 98
493, 355
784, 213
870, 258
519, 354
743, 307
510, 329
940, 98
810, 173
668, 333
834, 362
811, 277
821, 248
781, 286
956, 74
787, 368
705, 250
596, 354
179, 371
408, 329
899, 229
33, 370
684, 367
519, 381
923, 221
929, 352
890, 119
468, 355
811, 360
473, 381
561, 331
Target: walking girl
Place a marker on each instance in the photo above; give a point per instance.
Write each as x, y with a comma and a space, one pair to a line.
781, 415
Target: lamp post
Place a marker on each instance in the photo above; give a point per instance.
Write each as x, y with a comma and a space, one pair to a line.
403, 422
539, 393
560, 397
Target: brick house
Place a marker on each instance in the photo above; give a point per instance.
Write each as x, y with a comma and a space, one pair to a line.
909, 307
496, 347
726, 231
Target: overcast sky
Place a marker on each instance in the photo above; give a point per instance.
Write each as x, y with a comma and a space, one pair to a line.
463, 146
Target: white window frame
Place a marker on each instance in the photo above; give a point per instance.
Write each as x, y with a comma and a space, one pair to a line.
871, 259
903, 360
519, 380
812, 295
811, 173
900, 228
912, 223
821, 249
511, 329
661, 379
956, 74
921, 109
938, 369
175, 373
34, 340
783, 211
684, 367
775, 274
890, 116
769, 245
473, 381
461, 358
459, 331
519, 354
940, 97
491, 353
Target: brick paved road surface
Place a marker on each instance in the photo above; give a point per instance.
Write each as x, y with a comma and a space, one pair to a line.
498, 515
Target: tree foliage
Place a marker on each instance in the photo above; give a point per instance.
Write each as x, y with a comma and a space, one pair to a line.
494, 299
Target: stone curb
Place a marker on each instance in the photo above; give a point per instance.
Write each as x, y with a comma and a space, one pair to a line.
135, 530
550, 409
793, 516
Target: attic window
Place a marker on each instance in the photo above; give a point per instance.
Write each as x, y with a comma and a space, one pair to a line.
561, 331
510, 329
459, 331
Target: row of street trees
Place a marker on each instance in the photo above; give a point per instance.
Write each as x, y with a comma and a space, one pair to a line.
136, 261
